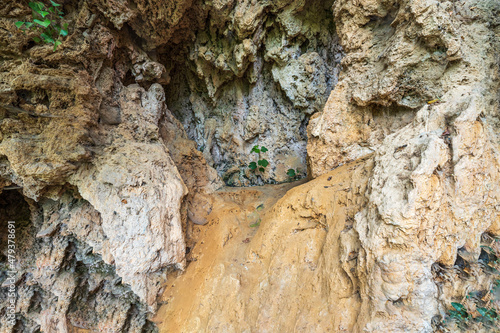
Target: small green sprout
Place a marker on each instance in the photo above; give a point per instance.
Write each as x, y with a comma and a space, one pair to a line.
261, 164
48, 21
293, 174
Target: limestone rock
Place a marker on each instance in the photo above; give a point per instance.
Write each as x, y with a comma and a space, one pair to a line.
115, 192
253, 76
386, 65
430, 193
301, 258
62, 283
73, 117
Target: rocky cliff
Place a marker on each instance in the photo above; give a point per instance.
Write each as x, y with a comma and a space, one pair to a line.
124, 162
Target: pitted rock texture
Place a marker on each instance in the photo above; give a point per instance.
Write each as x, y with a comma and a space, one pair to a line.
399, 55
138, 192
62, 283
253, 75
113, 179
430, 68
77, 117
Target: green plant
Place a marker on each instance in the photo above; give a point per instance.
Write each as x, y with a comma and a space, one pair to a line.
460, 315
485, 315
293, 174
479, 307
256, 224
262, 163
48, 21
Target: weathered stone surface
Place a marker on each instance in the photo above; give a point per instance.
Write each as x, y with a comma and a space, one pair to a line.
398, 56
291, 272
253, 75
62, 283
137, 190
119, 190
73, 117
431, 191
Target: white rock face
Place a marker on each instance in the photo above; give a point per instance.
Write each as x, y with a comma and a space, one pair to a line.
141, 222
354, 250
137, 189
304, 81
434, 185
254, 80
427, 198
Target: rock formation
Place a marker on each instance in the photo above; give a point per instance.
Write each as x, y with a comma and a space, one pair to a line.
115, 149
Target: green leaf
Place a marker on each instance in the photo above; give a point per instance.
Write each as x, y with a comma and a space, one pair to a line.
252, 166
54, 3
63, 32
490, 250
482, 311
56, 44
263, 149
263, 163
36, 6
44, 24
255, 149
458, 306
37, 40
44, 13
65, 26
262, 169
28, 24
291, 173
19, 24
47, 38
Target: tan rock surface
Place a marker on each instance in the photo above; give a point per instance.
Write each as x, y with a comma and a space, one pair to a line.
68, 118
295, 271
113, 193
140, 217
433, 188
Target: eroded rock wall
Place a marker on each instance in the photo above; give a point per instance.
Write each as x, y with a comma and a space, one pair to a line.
431, 69
62, 283
117, 141
419, 98
253, 74
77, 118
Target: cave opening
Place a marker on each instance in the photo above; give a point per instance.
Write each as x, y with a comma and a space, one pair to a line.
234, 87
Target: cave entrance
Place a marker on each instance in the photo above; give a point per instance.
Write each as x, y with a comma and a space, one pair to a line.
234, 88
